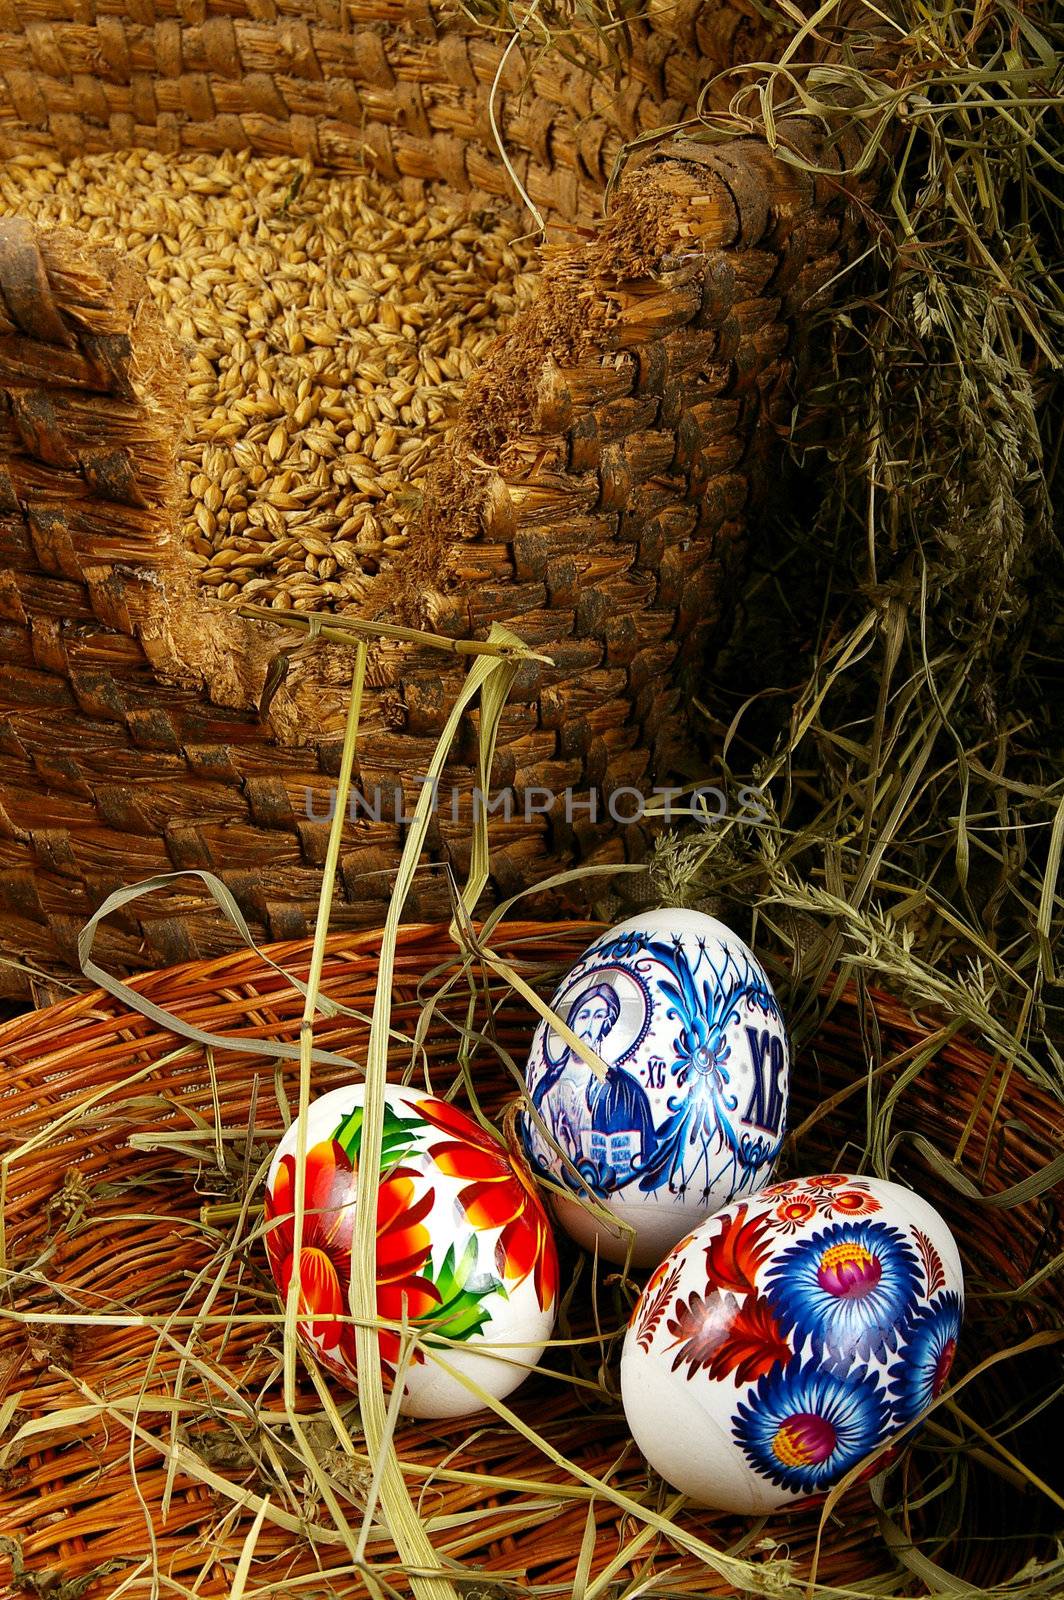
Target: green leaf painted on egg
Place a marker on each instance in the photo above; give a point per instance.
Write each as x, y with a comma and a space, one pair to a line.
461, 1312
399, 1136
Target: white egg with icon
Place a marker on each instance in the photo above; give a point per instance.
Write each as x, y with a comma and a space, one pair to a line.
691, 1110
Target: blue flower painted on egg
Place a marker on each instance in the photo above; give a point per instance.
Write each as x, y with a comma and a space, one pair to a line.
919, 1377
789, 1336
848, 1288
805, 1425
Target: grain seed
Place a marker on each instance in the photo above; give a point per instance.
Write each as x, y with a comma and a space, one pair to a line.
328, 338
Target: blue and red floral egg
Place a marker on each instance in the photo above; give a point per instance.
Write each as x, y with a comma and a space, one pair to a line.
467, 1274
692, 1108
789, 1336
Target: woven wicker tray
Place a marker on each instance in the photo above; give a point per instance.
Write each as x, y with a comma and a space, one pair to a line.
112, 1148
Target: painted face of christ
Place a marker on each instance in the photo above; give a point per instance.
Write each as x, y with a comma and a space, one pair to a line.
593, 1013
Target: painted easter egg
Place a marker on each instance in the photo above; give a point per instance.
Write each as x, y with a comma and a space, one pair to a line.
692, 1109
790, 1335
465, 1255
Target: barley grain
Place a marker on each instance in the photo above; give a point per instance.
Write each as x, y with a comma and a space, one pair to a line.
329, 332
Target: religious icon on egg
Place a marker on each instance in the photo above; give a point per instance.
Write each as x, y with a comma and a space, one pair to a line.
692, 1107
606, 1128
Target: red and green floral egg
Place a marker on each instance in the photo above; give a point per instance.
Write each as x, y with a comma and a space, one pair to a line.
789, 1336
465, 1257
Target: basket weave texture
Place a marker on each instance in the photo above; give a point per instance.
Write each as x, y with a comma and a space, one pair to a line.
594, 494
123, 1137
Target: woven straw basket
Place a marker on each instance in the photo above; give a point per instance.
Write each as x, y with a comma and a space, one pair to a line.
594, 494
116, 1138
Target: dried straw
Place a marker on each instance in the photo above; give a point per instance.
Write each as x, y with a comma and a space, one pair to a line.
914, 808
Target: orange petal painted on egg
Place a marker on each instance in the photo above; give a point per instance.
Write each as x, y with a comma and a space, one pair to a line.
517, 1249
412, 1298
493, 1205
441, 1114
471, 1162
396, 1204
320, 1292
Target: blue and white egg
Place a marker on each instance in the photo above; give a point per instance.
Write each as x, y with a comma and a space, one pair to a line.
691, 1109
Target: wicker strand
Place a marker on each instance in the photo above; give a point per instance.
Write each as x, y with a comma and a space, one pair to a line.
408, 87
